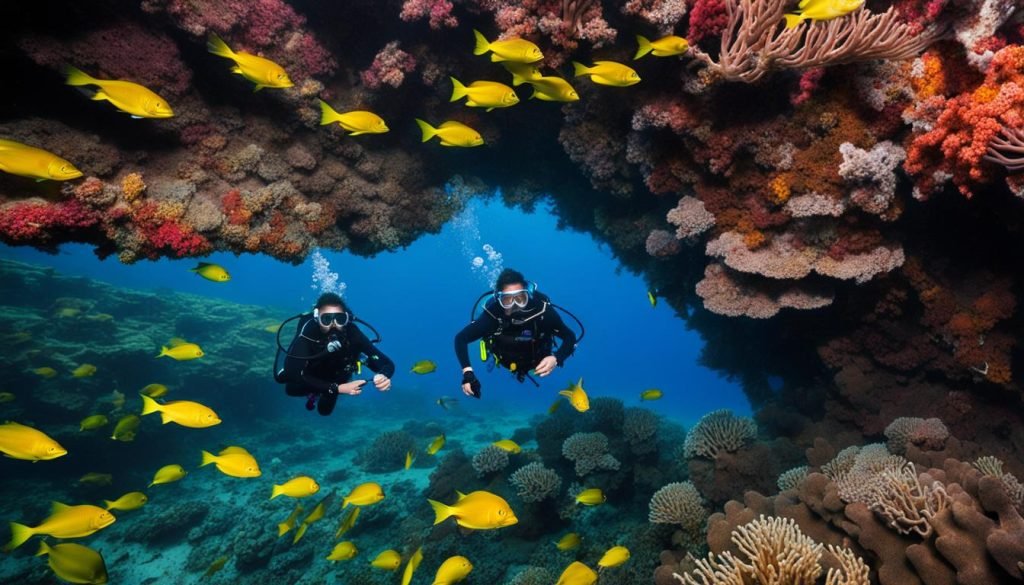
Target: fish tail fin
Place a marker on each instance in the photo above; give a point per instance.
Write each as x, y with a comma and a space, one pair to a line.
276, 491
427, 130
482, 44
643, 46
566, 393
76, 76
149, 406
109, 504
458, 90
282, 529
44, 549
441, 511
579, 68
217, 46
793, 20
517, 80
19, 534
208, 458
328, 115
300, 532
163, 351
345, 503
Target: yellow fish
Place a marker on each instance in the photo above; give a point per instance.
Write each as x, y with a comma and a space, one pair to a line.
479, 510
663, 47
131, 98
554, 406
93, 422
484, 94
521, 72
388, 560
577, 574
127, 502
446, 402
608, 73
514, 49
299, 487
93, 478
117, 399
183, 412
45, 371
508, 445
436, 445
315, 515
288, 524
819, 10
452, 570
408, 459
6, 397
274, 328
412, 565
64, 522
569, 541
168, 474
614, 557
83, 371
126, 428
216, 566
74, 563
154, 390
67, 312
343, 551
348, 522
553, 89
364, 495
650, 394
263, 72
214, 272
653, 300
233, 461
451, 133
20, 442
423, 367
34, 163
355, 122
591, 497
181, 350
577, 396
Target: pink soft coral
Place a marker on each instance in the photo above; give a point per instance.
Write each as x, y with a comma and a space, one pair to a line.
439, 12
389, 67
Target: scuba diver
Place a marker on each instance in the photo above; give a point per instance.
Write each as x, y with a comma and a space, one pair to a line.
325, 353
517, 327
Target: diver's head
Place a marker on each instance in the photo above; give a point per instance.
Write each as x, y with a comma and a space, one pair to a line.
330, 312
511, 290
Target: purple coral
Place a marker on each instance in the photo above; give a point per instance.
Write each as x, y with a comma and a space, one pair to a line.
389, 67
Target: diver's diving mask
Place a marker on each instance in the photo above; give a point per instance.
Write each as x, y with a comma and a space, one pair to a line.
327, 319
513, 298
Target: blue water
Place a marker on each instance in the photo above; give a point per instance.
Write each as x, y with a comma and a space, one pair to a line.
420, 296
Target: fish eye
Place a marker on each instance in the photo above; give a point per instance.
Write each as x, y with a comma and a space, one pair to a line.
501, 512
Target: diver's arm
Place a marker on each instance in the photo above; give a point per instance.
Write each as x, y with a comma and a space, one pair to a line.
558, 328
375, 358
484, 325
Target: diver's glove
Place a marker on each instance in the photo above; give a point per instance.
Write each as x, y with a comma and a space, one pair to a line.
333, 346
468, 377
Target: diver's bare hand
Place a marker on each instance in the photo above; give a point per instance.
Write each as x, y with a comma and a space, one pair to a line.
353, 388
382, 382
546, 366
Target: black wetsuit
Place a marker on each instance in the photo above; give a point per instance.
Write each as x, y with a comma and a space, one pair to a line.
523, 338
314, 377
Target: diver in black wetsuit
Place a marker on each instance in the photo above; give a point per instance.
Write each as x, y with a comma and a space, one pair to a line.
518, 326
336, 345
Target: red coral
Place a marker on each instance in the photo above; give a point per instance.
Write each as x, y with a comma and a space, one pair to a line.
809, 81
178, 238
36, 221
707, 19
234, 208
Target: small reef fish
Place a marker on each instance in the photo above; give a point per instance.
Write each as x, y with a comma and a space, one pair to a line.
180, 350
614, 557
521, 72
348, 522
479, 510
484, 94
273, 328
553, 89
436, 445
653, 300
263, 72
233, 461
451, 133
67, 312
18, 441
447, 402
577, 574
314, 516
343, 551
355, 122
591, 497
423, 367
183, 412
508, 445
74, 563
299, 487
577, 396
126, 428
820, 10
34, 163
608, 73
100, 317
93, 422
154, 390
570, 541
128, 97
45, 371
93, 478
209, 271
412, 565
388, 560
289, 523
117, 399
83, 371
554, 406
365, 494
216, 566
651, 394
127, 502
408, 459
168, 474
664, 47
64, 522
452, 570
514, 49
6, 397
